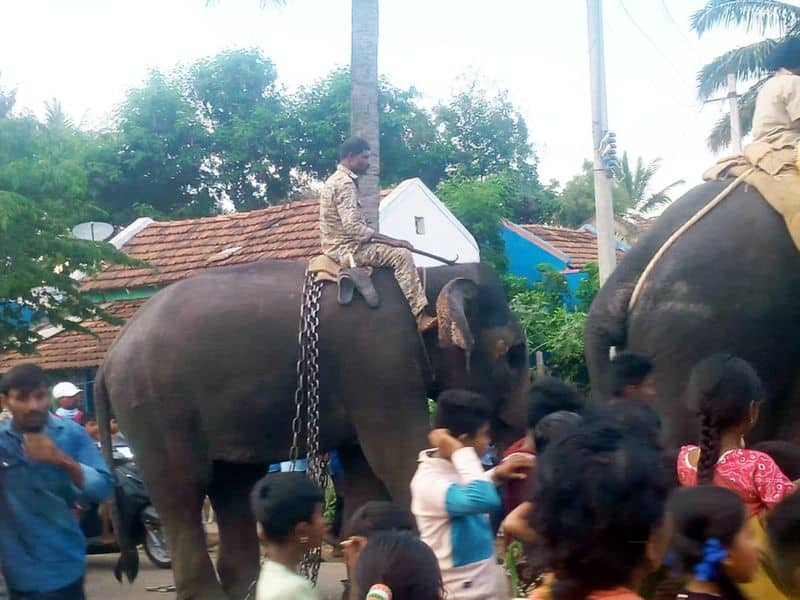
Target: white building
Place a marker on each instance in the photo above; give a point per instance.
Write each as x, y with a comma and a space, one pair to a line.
412, 212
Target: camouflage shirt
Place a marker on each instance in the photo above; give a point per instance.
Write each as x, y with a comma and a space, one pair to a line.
342, 226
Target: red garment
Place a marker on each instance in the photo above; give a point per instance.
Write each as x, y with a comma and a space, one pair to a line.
753, 475
516, 488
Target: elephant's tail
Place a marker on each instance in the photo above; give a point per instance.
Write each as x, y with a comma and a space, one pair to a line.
128, 562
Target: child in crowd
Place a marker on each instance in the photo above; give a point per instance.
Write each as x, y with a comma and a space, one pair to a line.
598, 506
551, 428
522, 557
289, 508
372, 518
727, 392
396, 565
451, 495
632, 377
783, 531
547, 395
713, 543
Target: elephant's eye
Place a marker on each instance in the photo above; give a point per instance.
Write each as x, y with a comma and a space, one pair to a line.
517, 356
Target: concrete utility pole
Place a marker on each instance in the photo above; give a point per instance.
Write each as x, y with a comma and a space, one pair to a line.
736, 123
604, 210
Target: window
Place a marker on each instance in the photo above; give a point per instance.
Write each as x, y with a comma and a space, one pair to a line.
419, 225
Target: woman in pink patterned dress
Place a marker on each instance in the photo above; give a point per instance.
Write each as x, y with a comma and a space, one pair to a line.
728, 392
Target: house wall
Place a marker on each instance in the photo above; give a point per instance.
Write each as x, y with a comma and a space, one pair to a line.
524, 257
443, 235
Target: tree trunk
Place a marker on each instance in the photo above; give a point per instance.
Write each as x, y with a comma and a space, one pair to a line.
364, 99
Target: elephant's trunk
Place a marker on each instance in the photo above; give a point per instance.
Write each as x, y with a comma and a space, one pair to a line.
602, 333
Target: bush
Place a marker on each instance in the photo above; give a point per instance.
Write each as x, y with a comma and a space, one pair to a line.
552, 322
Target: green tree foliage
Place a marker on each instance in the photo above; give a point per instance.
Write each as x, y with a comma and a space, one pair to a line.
753, 63
410, 144
577, 199
43, 192
632, 189
484, 134
481, 205
153, 162
250, 147
551, 325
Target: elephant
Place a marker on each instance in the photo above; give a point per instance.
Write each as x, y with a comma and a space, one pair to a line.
730, 283
202, 381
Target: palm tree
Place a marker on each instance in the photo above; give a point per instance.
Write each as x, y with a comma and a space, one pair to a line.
364, 98
748, 63
55, 115
633, 186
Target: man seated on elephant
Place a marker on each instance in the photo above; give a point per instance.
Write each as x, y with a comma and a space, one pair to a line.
348, 239
776, 119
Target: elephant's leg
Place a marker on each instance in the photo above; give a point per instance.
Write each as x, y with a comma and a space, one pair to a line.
180, 507
360, 483
238, 560
171, 454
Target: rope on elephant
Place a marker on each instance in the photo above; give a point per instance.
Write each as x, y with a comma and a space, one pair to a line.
637, 290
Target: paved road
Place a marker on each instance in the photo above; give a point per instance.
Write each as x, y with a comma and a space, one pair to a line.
100, 582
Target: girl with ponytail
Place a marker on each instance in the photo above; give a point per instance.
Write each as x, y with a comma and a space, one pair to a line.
727, 392
714, 544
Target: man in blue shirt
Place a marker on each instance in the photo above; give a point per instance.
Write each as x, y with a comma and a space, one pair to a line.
46, 465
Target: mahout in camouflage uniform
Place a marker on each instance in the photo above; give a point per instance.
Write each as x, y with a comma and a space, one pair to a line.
348, 239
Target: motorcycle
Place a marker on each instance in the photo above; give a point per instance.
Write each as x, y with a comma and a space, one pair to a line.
137, 514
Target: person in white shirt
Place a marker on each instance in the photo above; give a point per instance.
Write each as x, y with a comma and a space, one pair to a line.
289, 508
451, 495
776, 119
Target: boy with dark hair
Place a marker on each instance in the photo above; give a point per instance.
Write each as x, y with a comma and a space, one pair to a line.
548, 395
451, 494
371, 518
46, 465
783, 532
289, 508
631, 377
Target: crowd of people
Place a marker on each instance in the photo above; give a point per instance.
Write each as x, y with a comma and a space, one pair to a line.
599, 508
588, 493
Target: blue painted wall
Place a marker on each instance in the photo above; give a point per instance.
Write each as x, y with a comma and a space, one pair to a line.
524, 258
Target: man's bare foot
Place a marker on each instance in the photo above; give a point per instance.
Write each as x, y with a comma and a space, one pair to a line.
426, 323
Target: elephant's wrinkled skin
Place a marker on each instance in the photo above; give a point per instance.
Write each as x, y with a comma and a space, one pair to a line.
202, 381
731, 283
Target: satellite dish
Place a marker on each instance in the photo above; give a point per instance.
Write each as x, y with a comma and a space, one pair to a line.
93, 230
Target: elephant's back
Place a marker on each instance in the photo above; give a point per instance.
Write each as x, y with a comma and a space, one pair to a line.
730, 283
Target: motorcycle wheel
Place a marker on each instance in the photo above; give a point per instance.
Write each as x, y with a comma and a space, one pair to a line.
155, 544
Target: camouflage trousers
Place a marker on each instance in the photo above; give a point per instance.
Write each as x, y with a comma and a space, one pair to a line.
401, 262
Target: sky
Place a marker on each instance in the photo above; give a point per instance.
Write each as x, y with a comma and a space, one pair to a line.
87, 53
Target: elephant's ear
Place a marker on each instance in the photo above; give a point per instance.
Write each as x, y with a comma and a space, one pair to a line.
451, 312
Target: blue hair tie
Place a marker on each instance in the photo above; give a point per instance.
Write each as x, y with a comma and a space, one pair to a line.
708, 567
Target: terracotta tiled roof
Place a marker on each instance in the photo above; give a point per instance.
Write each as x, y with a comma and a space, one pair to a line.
178, 249
579, 245
73, 350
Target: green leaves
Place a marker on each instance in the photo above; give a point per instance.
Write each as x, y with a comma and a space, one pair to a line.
753, 63
760, 16
550, 324
42, 194
481, 205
